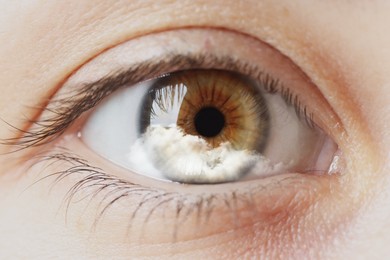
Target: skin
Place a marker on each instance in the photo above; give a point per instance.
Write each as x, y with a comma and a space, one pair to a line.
342, 46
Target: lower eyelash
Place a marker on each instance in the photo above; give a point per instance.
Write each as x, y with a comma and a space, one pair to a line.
95, 184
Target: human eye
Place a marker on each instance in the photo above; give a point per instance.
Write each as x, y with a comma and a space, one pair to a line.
111, 112
209, 126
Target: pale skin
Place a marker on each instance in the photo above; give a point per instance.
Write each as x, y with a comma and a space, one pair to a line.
342, 46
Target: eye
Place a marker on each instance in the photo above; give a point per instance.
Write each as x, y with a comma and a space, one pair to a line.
207, 126
191, 111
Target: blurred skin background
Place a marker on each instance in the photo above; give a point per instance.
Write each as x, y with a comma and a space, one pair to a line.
341, 46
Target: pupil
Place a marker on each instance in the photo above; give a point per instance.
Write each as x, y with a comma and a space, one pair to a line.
209, 122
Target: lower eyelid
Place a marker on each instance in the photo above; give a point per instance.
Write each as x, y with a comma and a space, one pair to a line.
270, 202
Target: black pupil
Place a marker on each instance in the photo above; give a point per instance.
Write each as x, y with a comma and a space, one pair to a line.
209, 122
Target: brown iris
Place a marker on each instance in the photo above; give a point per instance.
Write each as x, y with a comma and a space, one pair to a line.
218, 106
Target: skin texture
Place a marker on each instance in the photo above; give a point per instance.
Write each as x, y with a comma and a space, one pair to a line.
342, 46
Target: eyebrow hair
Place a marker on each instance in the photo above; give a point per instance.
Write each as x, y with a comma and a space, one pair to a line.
67, 106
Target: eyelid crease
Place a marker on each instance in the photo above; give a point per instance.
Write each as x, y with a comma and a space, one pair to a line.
63, 110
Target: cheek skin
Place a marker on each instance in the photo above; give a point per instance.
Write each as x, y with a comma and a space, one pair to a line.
30, 225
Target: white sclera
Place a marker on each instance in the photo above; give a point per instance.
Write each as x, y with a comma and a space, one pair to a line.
115, 123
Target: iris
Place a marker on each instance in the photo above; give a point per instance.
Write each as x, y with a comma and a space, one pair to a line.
205, 119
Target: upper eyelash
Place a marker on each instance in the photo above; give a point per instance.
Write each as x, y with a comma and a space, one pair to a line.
65, 109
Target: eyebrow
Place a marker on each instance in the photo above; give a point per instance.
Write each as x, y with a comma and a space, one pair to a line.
67, 106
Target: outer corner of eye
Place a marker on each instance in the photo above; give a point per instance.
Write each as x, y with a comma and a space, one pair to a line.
206, 126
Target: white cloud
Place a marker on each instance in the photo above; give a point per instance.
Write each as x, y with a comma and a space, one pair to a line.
169, 152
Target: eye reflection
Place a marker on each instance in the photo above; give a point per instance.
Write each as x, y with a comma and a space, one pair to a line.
211, 123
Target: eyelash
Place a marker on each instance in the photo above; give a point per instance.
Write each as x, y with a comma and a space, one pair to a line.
97, 183
64, 111
61, 113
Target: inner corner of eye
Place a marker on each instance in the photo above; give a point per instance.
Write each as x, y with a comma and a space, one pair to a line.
203, 127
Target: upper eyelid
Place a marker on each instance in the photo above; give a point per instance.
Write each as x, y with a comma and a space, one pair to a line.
81, 95
75, 99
